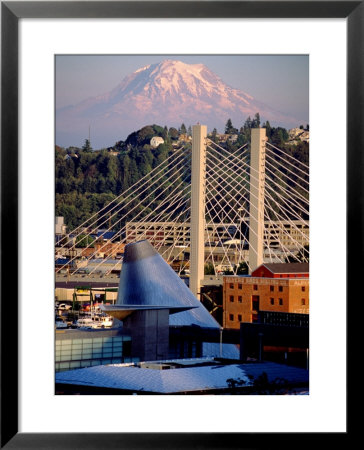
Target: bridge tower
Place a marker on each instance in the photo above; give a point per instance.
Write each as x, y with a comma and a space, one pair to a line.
198, 183
198, 187
256, 220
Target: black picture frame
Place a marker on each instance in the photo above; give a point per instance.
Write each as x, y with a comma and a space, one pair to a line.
11, 12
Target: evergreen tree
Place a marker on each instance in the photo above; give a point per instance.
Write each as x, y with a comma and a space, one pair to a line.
268, 128
214, 135
256, 121
173, 133
125, 173
87, 146
229, 129
209, 269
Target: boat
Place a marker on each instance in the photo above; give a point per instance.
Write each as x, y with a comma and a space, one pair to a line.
102, 321
85, 322
95, 321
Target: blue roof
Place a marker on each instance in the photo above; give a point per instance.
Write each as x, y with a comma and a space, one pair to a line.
105, 234
62, 261
131, 377
146, 279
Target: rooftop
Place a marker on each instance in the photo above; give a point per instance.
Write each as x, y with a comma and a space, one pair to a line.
179, 376
287, 267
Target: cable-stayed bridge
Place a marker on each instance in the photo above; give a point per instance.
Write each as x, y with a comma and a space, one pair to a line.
210, 205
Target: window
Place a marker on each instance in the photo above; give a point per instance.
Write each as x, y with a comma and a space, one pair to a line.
271, 288
303, 288
280, 288
231, 298
272, 301
231, 285
240, 318
255, 287
303, 302
231, 317
240, 299
240, 286
281, 301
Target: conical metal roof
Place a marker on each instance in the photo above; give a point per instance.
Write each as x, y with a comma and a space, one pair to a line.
146, 279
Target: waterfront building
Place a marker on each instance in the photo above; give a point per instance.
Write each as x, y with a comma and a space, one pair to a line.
76, 349
271, 287
164, 318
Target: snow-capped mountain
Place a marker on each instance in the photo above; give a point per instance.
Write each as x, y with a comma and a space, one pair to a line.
169, 93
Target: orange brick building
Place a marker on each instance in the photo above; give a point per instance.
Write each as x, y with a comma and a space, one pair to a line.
271, 287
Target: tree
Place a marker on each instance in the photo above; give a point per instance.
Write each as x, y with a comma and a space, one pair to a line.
183, 129
165, 135
279, 136
229, 129
256, 121
268, 128
248, 123
84, 240
260, 384
173, 133
209, 269
214, 135
87, 146
125, 177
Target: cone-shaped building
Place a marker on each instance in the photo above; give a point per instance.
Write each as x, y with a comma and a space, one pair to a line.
147, 280
162, 314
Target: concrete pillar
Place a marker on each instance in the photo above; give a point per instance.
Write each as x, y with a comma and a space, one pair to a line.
256, 221
199, 134
149, 334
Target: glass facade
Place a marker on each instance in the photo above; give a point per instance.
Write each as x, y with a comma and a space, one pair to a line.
91, 351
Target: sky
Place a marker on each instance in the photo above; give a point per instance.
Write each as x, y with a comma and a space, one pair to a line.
279, 81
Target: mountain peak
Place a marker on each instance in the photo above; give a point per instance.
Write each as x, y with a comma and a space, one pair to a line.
170, 92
